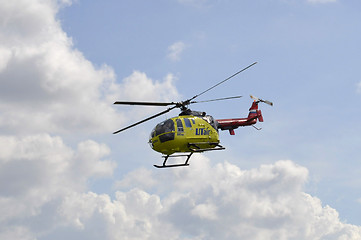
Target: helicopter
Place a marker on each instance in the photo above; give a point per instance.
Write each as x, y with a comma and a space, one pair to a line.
193, 131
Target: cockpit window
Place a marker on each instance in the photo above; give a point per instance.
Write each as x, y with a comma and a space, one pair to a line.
163, 127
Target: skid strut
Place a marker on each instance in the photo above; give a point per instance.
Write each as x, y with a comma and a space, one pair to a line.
164, 165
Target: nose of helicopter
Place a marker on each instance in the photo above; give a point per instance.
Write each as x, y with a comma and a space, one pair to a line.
150, 142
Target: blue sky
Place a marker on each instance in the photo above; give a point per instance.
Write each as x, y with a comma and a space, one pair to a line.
63, 64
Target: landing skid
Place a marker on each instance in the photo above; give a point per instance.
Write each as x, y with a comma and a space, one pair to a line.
175, 165
194, 148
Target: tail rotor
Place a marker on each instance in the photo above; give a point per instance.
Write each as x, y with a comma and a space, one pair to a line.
261, 100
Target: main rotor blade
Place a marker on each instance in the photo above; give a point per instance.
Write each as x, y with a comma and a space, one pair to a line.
218, 99
146, 103
223, 81
144, 120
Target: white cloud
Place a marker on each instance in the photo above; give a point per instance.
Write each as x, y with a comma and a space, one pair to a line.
132, 215
213, 202
48, 91
37, 171
140, 177
44, 181
48, 86
175, 50
205, 211
16, 233
139, 87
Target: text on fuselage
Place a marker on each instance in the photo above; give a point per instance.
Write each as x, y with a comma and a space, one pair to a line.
202, 131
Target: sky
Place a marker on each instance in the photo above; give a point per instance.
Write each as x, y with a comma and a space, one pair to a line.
63, 174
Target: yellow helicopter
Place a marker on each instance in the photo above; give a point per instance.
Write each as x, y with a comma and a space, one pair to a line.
193, 131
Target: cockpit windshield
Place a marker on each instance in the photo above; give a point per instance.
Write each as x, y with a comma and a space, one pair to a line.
163, 127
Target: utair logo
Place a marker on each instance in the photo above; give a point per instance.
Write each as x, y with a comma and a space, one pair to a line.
202, 131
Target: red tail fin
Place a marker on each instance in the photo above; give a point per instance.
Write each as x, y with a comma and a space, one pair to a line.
254, 113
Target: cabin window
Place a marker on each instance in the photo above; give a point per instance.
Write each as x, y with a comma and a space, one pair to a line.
180, 125
187, 122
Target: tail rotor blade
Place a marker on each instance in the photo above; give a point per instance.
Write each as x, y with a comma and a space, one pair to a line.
261, 100
268, 102
254, 98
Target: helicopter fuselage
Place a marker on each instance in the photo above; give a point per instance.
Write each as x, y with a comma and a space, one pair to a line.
183, 134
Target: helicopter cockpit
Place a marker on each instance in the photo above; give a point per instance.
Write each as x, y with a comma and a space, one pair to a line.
166, 127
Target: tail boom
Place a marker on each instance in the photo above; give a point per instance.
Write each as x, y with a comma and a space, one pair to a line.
233, 123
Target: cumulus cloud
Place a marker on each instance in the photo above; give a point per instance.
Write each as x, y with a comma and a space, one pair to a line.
139, 87
175, 50
51, 92
39, 170
47, 84
43, 181
140, 177
211, 202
